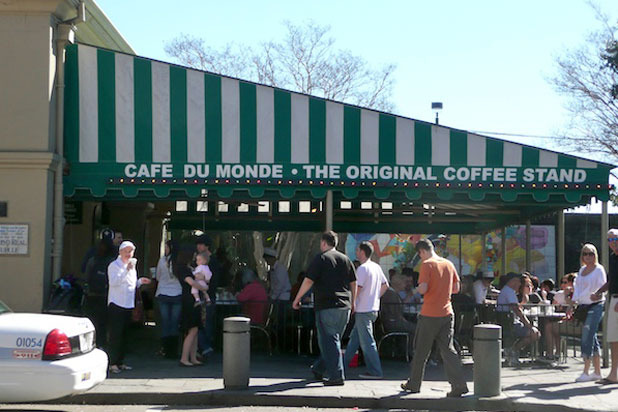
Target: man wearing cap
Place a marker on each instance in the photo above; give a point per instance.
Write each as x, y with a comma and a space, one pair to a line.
481, 286
280, 288
123, 281
279, 278
612, 312
523, 331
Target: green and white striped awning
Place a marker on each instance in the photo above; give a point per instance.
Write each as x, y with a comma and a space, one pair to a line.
134, 124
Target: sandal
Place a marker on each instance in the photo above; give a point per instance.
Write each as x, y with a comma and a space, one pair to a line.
114, 369
185, 365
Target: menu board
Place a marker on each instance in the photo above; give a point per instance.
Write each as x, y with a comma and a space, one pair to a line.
13, 239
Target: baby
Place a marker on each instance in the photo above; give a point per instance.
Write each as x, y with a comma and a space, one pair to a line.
202, 275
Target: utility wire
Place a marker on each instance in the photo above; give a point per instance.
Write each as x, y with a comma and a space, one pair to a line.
536, 136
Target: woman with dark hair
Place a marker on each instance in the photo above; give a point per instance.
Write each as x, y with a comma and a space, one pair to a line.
169, 299
191, 317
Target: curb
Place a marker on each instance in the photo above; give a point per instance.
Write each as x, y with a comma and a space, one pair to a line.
246, 398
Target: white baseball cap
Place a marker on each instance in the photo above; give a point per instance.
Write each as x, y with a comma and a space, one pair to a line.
125, 244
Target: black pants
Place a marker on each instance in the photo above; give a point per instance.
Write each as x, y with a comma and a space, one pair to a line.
96, 310
118, 320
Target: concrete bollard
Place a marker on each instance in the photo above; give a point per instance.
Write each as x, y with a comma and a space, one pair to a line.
236, 352
487, 360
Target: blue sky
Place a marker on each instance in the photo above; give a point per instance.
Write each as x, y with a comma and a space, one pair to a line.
487, 61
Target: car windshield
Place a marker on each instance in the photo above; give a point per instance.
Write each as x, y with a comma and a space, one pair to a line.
4, 308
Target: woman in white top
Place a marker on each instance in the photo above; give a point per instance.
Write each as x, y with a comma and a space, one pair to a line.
169, 299
590, 278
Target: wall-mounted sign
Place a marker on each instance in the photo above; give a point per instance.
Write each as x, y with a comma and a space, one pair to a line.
73, 212
13, 239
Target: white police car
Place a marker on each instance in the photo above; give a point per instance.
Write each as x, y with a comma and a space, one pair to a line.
44, 357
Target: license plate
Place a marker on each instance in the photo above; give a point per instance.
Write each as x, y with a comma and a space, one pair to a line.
86, 342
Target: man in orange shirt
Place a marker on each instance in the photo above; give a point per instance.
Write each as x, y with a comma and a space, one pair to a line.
437, 281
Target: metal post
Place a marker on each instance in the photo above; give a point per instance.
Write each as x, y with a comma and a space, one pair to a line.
487, 360
503, 251
560, 251
236, 352
528, 246
605, 263
460, 258
484, 252
329, 210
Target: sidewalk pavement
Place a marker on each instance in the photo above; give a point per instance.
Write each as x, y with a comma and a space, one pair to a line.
285, 380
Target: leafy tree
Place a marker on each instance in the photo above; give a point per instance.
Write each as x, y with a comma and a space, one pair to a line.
305, 60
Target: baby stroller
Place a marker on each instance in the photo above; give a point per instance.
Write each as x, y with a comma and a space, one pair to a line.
66, 298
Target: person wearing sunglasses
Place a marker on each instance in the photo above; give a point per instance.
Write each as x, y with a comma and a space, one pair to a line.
612, 313
591, 277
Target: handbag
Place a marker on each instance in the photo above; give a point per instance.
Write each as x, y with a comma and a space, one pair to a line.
137, 314
581, 312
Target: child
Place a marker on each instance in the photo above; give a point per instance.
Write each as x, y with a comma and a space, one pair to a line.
202, 275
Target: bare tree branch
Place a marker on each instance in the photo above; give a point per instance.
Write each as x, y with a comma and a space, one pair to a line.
305, 60
586, 78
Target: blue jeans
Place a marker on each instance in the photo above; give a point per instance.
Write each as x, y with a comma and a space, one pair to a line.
590, 341
362, 335
330, 324
169, 308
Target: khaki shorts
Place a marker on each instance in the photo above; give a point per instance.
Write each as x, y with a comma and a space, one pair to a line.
612, 320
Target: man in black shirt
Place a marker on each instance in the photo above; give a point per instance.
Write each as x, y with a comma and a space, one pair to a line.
333, 278
612, 312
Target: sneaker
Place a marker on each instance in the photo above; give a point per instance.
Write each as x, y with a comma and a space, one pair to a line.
585, 378
206, 352
125, 367
114, 369
334, 382
369, 376
595, 376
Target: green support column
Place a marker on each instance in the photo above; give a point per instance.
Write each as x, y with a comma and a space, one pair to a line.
329, 210
503, 251
528, 246
605, 263
560, 243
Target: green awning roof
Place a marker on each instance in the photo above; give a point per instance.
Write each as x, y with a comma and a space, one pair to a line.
139, 128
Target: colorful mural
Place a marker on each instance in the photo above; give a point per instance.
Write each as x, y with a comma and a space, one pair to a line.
397, 250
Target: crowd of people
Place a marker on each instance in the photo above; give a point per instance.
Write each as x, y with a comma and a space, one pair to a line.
335, 287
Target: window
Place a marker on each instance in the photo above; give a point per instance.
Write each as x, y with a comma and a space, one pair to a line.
181, 206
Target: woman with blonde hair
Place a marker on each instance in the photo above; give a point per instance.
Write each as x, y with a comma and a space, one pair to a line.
591, 277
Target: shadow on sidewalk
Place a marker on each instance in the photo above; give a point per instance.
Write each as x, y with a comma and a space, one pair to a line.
545, 391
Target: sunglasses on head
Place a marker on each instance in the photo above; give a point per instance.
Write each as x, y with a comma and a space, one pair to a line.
612, 239
588, 254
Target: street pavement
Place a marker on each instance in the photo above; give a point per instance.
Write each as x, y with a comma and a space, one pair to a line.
167, 408
285, 381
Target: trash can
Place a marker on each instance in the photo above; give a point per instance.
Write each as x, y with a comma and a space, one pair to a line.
487, 360
236, 352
